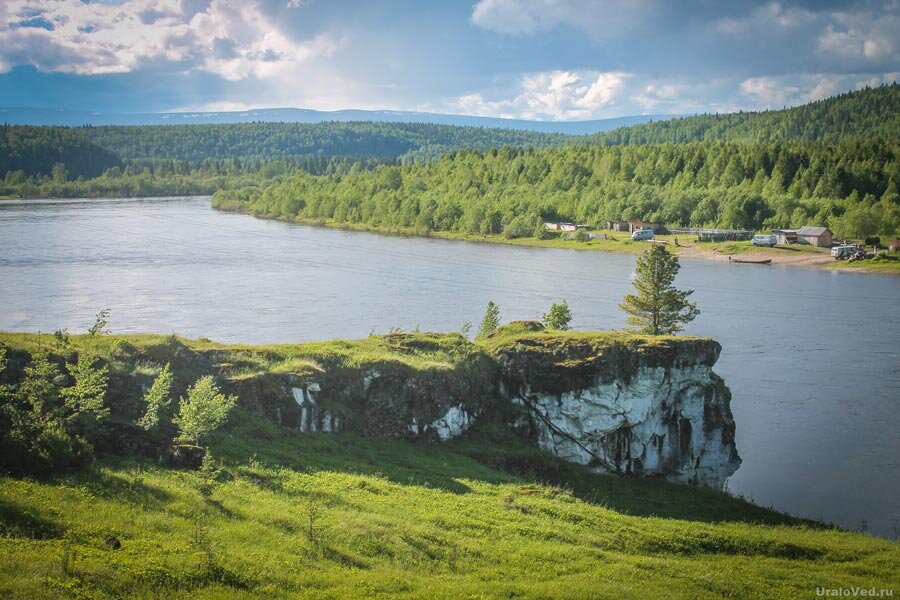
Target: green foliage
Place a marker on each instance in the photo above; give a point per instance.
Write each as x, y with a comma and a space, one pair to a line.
782, 184
658, 308
100, 323
490, 322
85, 400
45, 426
203, 411
558, 317
157, 399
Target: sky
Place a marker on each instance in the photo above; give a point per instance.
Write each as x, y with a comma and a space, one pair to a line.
531, 59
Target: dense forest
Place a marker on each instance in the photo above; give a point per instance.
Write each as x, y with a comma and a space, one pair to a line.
58, 152
849, 186
867, 113
240, 148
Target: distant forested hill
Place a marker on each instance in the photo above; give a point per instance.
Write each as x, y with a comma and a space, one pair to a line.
408, 141
36, 150
867, 113
244, 147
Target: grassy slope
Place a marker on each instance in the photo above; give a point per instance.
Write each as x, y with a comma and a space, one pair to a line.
484, 516
394, 519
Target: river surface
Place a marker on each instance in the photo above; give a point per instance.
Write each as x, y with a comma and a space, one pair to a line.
812, 358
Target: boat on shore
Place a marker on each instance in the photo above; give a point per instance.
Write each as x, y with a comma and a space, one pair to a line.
748, 261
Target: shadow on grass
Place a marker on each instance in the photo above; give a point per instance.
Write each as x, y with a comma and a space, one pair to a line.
132, 488
16, 522
489, 456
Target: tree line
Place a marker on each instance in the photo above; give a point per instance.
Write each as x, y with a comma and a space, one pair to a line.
850, 186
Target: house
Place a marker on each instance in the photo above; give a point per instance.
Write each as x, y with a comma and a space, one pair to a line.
633, 225
785, 236
817, 236
553, 226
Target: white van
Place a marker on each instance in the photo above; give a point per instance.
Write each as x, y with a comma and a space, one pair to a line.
642, 234
840, 252
764, 240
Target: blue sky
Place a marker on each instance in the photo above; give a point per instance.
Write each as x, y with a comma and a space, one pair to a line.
534, 59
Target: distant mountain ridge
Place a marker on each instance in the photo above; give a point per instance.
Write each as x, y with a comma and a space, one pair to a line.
72, 118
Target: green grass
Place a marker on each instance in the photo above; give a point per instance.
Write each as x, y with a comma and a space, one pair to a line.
318, 515
886, 263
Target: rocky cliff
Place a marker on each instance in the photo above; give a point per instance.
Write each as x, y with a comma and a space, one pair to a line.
639, 406
618, 403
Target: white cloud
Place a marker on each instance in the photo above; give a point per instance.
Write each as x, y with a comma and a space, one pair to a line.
863, 38
552, 95
791, 90
598, 17
773, 15
231, 38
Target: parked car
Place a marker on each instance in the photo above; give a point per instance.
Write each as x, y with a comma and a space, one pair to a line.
842, 252
642, 234
764, 240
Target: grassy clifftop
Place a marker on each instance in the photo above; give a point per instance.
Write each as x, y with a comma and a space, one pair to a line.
282, 514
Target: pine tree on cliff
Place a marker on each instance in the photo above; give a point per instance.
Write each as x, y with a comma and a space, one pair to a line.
490, 322
658, 308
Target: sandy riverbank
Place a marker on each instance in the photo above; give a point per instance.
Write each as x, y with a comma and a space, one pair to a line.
778, 256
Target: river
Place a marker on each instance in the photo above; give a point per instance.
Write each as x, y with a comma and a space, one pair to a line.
812, 357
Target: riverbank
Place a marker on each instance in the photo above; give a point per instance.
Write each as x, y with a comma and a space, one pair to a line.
277, 512
793, 255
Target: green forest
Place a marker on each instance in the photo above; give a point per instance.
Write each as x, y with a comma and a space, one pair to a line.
850, 186
242, 148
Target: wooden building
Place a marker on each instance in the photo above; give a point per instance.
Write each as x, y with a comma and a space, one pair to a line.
785, 236
816, 236
633, 225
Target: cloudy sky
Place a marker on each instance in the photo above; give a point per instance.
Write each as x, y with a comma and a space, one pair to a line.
534, 59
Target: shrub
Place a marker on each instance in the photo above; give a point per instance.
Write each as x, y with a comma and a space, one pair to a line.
203, 411
157, 399
558, 317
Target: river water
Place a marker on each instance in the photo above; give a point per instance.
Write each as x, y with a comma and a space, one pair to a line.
812, 358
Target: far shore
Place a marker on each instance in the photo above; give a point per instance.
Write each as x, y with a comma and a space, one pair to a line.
793, 255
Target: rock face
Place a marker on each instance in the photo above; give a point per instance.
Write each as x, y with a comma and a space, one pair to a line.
633, 409
617, 403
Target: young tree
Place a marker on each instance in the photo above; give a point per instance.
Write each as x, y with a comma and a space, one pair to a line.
157, 399
558, 317
490, 322
85, 400
100, 323
203, 411
658, 308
